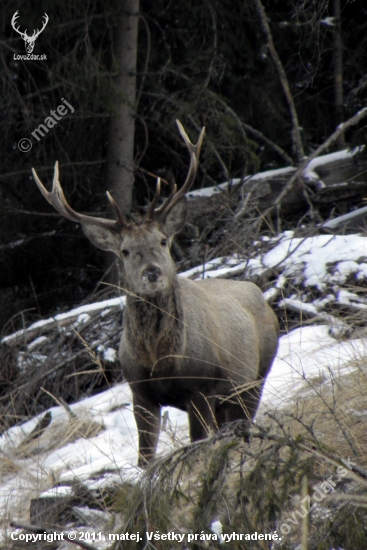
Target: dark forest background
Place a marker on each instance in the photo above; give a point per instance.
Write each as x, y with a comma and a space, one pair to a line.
206, 63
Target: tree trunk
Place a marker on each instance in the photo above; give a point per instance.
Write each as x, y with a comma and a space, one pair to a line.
338, 70
120, 155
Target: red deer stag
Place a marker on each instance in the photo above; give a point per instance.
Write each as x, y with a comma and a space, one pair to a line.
203, 346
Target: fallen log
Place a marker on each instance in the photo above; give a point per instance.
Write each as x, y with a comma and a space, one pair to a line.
333, 180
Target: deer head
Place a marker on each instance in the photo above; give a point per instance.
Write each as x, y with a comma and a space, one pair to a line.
29, 40
144, 249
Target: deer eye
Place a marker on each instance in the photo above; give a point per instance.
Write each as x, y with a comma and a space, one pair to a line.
125, 252
164, 242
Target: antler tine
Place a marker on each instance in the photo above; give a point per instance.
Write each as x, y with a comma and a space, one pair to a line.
168, 200
52, 196
191, 147
57, 199
151, 210
194, 150
116, 208
15, 22
37, 32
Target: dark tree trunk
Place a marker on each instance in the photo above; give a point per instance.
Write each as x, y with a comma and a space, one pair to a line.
120, 157
338, 70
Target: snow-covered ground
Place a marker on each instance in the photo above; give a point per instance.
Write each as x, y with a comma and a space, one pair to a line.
111, 455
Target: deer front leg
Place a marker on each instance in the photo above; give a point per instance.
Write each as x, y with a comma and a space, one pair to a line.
148, 419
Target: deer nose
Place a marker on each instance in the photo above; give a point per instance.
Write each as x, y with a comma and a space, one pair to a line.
151, 273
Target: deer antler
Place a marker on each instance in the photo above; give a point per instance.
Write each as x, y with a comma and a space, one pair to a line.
24, 35
57, 199
194, 150
13, 22
37, 33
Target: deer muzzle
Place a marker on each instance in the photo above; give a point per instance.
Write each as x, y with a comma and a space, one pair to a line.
152, 273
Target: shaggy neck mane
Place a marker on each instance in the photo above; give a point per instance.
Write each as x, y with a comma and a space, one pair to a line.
153, 323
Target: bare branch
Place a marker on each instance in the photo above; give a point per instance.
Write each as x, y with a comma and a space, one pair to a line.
243, 126
296, 136
341, 129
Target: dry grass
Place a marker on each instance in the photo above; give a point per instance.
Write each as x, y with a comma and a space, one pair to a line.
23, 458
258, 487
333, 414
82, 426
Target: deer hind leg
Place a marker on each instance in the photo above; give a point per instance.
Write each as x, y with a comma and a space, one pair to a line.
202, 416
147, 418
241, 407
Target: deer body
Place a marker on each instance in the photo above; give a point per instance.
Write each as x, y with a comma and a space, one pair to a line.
222, 335
205, 346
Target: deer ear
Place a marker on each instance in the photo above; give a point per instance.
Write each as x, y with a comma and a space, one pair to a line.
102, 238
175, 220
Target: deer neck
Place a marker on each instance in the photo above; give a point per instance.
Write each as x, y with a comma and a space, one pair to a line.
153, 325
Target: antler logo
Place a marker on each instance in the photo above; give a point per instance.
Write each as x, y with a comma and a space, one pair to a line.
29, 40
